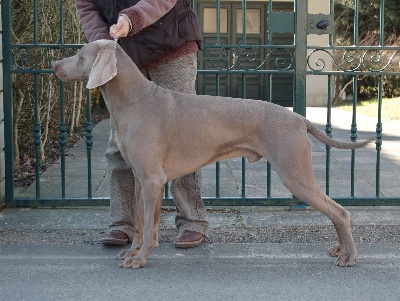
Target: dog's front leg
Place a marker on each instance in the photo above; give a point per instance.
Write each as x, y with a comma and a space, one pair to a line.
152, 191
138, 224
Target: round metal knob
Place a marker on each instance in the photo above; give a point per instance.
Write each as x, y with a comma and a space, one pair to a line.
323, 24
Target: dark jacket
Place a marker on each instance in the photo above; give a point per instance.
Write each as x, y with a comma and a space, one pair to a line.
179, 26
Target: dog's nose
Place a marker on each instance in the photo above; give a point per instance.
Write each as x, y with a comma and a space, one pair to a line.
55, 66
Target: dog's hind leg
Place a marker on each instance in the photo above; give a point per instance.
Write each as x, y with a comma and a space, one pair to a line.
294, 167
152, 192
345, 250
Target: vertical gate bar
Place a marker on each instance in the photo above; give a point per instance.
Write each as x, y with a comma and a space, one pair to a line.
35, 18
301, 7
217, 164
328, 130
353, 135
89, 141
382, 23
269, 99
166, 190
243, 178
217, 11
217, 180
8, 105
269, 179
332, 12
36, 100
61, 23
244, 8
243, 159
380, 87
37, 134
353, 157
63, 126
355, 33
62, 136
379, 139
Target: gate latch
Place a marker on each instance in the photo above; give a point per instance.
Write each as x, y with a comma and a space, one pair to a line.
320, 24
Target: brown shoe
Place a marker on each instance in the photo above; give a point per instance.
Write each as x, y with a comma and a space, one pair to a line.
188, 239
115, 238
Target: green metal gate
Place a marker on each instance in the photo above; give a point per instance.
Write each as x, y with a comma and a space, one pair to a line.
277, 57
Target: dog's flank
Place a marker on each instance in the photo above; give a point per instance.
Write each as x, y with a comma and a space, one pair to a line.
164, 134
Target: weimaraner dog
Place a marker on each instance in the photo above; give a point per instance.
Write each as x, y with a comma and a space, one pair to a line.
164, 135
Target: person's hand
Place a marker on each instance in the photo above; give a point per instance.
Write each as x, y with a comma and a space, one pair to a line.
121, 29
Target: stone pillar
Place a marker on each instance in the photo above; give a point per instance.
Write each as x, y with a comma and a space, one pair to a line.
317, 85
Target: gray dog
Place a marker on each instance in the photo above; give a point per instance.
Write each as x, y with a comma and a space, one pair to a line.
164, 135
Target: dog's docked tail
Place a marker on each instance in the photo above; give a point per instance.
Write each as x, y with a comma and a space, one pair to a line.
321, 136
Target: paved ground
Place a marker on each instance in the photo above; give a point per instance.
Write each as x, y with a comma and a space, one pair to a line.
250, 254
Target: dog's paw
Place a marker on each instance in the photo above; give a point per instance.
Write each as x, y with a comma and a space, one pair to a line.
134, 263
346, 260
127, 253
335, 251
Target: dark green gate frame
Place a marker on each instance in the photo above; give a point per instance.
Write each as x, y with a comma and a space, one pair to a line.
297, 63
369, 63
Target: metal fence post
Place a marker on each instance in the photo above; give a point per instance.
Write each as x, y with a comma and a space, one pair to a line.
8, 107
301, 9
300, 90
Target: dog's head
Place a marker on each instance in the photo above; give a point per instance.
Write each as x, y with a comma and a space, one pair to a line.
95, 63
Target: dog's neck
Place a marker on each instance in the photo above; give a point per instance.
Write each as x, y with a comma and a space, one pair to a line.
121, 92
127, 72
128, 78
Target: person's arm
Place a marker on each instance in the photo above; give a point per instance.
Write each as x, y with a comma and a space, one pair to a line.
144, 13
93, 24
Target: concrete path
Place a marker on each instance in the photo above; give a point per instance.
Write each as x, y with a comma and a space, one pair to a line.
251, 254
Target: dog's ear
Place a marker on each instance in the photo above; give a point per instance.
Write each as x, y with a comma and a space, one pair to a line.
104, 67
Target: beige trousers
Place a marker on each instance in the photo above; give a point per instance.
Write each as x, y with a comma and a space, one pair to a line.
178, 75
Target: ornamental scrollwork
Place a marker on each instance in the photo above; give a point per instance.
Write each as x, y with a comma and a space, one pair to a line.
248, 59
355, 60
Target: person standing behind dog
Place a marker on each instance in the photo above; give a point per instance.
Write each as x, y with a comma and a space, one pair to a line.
162, 38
